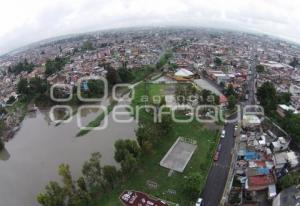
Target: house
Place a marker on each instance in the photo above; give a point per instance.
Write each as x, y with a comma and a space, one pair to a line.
281, 160
295, 102
250, 121
272, 191
280, 144
260, 182
184, 73
222, 78
283, 109
294, 90
223, 100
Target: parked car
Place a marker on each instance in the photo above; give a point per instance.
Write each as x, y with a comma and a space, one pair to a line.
235, 130
219, 147
216, 157
235, 127
199, 202
223, 133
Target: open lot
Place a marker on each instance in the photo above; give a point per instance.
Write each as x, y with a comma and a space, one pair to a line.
206, 85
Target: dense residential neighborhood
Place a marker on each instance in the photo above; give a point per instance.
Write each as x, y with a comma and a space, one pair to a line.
249, 161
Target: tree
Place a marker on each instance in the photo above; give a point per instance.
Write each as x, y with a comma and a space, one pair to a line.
38, 85
95, 88
173, 66
65, 173
260, 68
53, 196
22, 87
291, 124
53, 66
218, 61
110, 176
267, 96
205, 94
112, 75
289, 180
79, 198
124, 147
144, 134
231, 102
164, 59
191, 185
163, 101
92, 171
230, 91
21, 67
284, 98
125, 75
82, 184
1, 145
87, 45
165, 125
294, 62
2, 125
222, 84
127, 153
179, 94
11, 100
182, 93
216, 99
129, 164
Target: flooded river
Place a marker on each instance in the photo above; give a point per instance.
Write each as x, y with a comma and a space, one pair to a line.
32, 157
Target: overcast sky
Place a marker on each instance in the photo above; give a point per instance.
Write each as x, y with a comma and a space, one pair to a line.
26, 21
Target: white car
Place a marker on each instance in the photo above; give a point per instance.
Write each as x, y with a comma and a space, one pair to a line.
199, 202
223, 134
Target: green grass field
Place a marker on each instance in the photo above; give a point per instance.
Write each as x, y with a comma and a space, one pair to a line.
150, 170
148, 89
141, 73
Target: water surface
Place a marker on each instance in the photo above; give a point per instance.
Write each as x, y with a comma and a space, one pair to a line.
32, 157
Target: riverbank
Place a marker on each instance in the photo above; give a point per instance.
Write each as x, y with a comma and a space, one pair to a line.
15, 114
97, 121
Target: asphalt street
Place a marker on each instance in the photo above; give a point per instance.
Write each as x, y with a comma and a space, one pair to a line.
216, 180
217, 177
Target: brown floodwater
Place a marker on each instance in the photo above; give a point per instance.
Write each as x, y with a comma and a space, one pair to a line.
32, 157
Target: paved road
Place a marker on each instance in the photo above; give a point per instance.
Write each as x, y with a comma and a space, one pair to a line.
217, 177
218, 173
251, 86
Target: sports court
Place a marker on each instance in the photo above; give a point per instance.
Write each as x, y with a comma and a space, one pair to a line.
179, 154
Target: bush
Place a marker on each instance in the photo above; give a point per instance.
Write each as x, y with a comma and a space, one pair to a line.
1, 145
290, 179
191, 186
11, 100
260, 68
